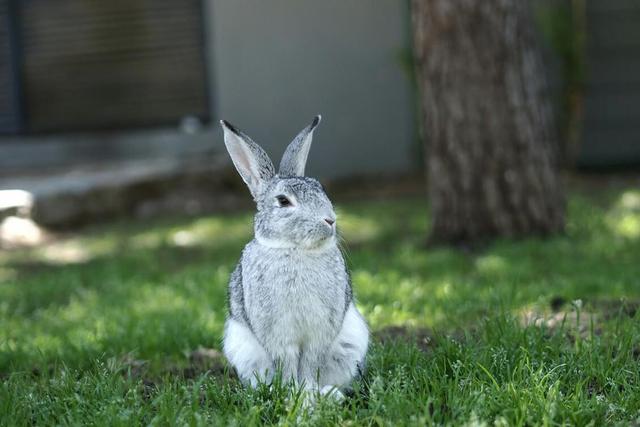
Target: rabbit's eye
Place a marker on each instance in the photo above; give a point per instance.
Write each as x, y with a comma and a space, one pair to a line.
283, 201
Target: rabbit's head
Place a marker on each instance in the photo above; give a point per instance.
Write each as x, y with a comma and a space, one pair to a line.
293, 210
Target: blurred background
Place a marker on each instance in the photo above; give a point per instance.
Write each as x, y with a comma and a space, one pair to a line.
129, 94
112, 108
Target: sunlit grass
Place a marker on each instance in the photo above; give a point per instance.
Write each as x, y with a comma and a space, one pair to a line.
74, 309
624, 218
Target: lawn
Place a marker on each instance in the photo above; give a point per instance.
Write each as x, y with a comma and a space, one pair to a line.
116, 326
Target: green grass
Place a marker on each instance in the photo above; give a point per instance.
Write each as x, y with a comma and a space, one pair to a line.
98, 328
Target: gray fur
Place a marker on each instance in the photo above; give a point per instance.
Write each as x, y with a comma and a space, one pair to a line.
294, 159
290, 297
251, 161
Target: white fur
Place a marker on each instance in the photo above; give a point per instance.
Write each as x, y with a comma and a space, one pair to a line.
245, 353
284, 244
340, 363
338, 366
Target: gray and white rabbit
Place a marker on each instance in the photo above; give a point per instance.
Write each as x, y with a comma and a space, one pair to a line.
290, 299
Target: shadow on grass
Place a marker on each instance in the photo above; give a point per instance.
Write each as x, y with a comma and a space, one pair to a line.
157, 291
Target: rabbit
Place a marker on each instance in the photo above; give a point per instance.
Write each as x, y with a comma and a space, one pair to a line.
290, 302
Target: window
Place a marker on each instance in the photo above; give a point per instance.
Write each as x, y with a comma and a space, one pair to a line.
10, 106
104, 64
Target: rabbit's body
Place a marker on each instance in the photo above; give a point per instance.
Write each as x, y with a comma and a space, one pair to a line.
290, 298
294, 303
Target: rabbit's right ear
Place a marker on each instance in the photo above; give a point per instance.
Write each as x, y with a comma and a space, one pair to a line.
294, 159
251, 161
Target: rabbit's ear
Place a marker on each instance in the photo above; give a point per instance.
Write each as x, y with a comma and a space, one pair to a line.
295, 158
251, 161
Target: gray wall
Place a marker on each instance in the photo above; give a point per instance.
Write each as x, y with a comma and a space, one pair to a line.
611, 134
273, 65
278, 63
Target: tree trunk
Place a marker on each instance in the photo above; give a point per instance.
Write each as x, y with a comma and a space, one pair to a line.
490, 161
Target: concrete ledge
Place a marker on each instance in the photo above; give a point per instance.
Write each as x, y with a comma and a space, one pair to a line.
34, 153
144, 188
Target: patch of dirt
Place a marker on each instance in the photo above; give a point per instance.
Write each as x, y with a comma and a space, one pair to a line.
592, 312
134, 368
210, 358
569, 321
201, 360
421, 337
609, 308
612, 308
557, 303
37, 372
605, 181
149, 389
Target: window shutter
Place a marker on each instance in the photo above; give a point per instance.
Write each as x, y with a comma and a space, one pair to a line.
9, 86
92, 64
611, 125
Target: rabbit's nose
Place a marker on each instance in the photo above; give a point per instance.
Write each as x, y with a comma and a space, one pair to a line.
329, 221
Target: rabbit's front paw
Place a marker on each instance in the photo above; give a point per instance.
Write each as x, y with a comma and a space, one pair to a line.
332, 392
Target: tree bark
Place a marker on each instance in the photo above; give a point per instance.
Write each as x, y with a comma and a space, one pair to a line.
490, 154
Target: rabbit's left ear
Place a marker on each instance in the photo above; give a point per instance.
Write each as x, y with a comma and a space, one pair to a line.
251, 161
294, 159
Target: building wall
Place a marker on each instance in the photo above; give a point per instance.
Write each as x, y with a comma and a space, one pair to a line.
611, 134
272, 66
278, 63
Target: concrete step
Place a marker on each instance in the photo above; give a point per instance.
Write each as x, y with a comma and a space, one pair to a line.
91, 193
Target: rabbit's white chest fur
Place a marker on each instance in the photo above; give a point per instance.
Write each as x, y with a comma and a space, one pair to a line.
295, 300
